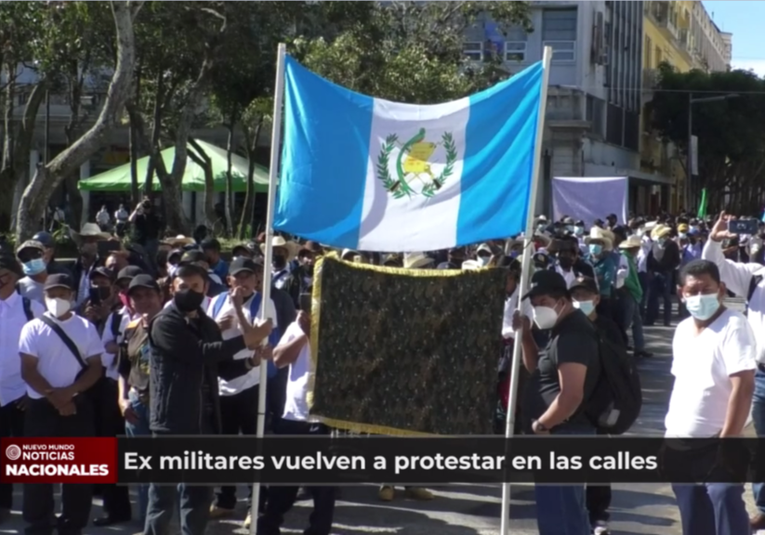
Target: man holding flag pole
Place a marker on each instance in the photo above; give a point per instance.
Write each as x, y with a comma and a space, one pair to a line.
361, 173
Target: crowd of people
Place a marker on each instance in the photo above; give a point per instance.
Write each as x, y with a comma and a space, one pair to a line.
162, 336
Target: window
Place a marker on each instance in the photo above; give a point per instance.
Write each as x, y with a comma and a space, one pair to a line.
559, 32
648, 51
515, 51
473, 50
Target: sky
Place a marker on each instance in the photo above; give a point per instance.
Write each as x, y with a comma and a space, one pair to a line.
744, 20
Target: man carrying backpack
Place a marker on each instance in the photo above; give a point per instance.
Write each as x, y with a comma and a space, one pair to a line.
586, 296
563, 375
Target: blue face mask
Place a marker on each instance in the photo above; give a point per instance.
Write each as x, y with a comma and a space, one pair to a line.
596, 249
585, 306
578, 231
541, 227
702, 307
34, 267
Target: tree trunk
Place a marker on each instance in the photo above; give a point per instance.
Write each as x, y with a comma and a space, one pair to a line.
134, 190
47, 178
249, 195
229, 182
175, 219
203, 160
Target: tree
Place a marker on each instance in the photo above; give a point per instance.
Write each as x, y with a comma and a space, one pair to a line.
731, 132
411, 51
49, 176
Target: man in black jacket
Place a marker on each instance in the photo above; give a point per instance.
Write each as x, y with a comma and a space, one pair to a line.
188, 355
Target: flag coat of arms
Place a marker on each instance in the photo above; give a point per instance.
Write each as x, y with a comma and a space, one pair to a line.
368, 174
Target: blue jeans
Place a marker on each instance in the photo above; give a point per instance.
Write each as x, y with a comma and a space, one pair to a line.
660, 288
758, 419
561, 509
139, 429
631, 310
712, 509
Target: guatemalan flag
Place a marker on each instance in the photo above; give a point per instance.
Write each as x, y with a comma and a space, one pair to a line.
368, 174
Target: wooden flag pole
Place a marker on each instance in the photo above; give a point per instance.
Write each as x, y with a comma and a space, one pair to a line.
528, 244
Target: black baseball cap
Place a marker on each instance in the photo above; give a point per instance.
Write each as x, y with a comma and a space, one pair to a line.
129, 272
545, 282
46, 238
9, 262
244, 264
60, 280
102, 272
191, 257
587, 284
210, 244
143, 280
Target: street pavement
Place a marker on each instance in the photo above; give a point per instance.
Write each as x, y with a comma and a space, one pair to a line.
637, 509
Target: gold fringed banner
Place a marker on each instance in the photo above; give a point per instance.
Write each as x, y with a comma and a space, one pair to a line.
405, 352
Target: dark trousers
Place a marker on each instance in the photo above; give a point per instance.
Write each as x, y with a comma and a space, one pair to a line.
660, 289
281, 499
275, 398
239, 414
110, 423
598, 500
712, 509
43, 420
644, 277
11, 425
195, 504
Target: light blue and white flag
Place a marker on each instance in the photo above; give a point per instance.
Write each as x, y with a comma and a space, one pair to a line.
368, 174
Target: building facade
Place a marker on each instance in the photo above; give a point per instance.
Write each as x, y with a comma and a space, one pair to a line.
682, 34
592, 125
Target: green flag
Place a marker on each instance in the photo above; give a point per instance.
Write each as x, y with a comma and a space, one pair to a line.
703, 206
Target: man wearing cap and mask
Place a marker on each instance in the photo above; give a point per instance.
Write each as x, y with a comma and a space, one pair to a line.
563, 375
31, 255
188, 355
239, 396
15, 312
49, 255
88, 259
60, 363
301, 281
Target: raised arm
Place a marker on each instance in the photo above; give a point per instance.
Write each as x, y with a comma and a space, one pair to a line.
737, 276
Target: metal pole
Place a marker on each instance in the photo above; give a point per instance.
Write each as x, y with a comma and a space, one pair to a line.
689, 163
273, 179
536, 177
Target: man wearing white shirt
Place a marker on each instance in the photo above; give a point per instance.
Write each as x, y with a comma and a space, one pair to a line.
58, 381
239, 396
294, 350
713, 362
746, 280
15, 312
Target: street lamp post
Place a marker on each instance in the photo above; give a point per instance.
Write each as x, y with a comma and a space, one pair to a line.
689, 163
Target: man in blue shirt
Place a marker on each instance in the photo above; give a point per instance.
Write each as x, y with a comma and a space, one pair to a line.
600, 245
211, 248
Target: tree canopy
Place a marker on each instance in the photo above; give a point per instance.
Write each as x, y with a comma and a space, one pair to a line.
731, 132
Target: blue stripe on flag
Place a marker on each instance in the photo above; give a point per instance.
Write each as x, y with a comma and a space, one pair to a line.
327, 130
499, 158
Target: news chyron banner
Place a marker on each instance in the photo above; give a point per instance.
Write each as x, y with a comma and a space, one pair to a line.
355, 460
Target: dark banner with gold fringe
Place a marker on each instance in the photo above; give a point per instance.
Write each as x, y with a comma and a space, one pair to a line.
405, 352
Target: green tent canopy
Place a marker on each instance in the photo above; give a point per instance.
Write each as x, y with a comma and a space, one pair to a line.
118, 179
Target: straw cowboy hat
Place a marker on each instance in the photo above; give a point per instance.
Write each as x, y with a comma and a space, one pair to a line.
278, 241
179, 241
417, 261
598, 234
633, 242
89, 230
471, 265
544, 237
660, 232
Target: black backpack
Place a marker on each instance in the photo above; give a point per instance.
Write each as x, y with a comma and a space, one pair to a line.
753, 284
617, 398
27, 304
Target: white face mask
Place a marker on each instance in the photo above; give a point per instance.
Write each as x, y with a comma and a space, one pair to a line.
484, 260
545, 317
57, 306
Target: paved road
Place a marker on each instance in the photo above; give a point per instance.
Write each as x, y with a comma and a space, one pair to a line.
475, 509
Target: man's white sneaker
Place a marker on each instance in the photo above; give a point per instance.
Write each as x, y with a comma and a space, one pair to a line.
600, 528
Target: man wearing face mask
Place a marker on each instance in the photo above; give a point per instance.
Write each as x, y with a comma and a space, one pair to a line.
188, 355
88, 260
663, 260
30, 254
49, 255
600, 243
283, 255
586, 296
302, 277
60, 363
15, 312
563, 376
714, 358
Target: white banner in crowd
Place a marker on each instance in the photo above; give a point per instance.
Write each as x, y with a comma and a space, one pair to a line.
590, 198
